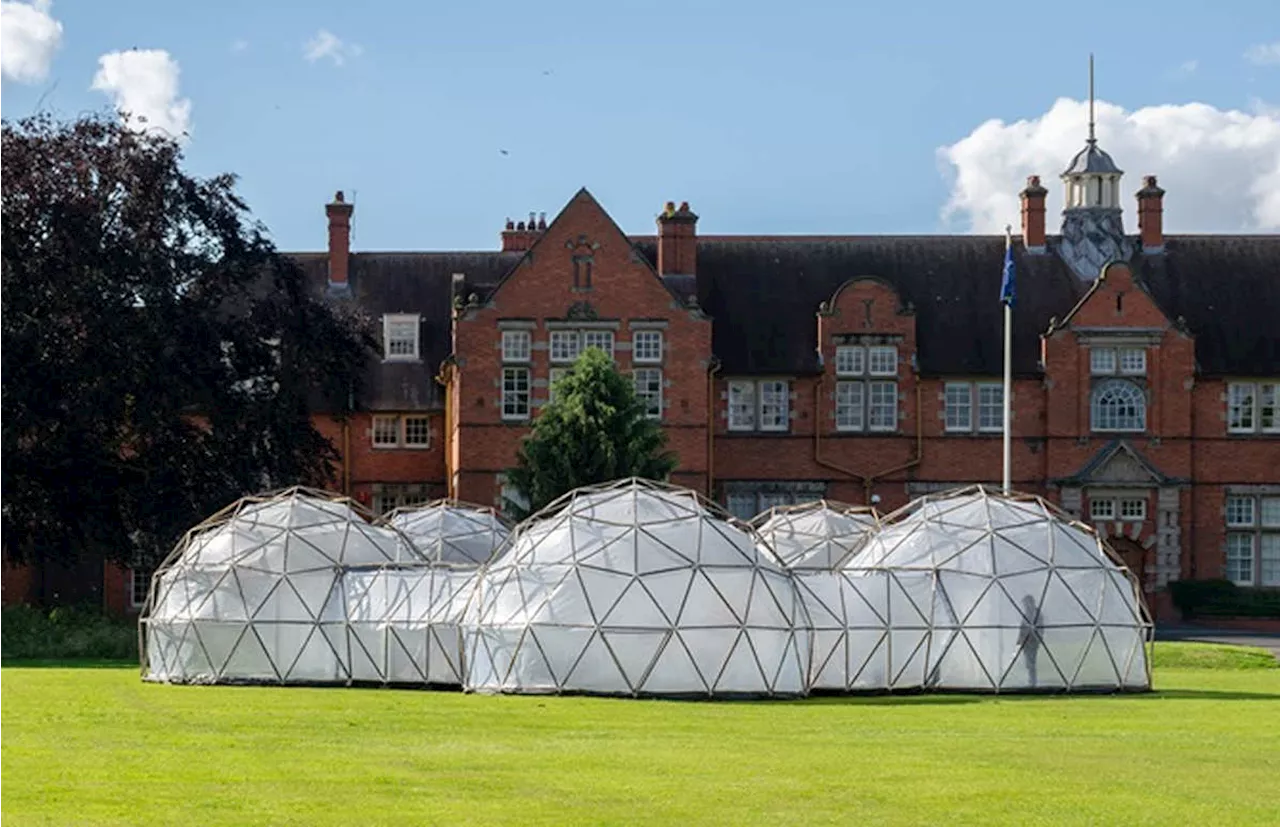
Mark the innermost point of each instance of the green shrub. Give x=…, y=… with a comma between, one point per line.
x=1186, y=655
x=27, y=633
x=1222, y=598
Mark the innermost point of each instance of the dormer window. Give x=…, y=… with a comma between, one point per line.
x=400, y=337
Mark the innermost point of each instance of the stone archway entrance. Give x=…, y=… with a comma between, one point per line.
x=1134, y=555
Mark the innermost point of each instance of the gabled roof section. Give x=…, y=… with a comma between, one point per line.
x=1100, y=283
x=584, y=196
x=1119, y=464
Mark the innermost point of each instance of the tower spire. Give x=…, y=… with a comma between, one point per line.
x=1092, y=138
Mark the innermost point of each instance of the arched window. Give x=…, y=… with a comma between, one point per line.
x=1118, y=405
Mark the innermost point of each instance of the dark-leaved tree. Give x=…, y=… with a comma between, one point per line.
x=594, y=430
x=160, y=357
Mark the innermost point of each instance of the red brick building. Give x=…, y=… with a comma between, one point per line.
x=1146, y=396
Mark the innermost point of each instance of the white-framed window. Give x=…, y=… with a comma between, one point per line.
x=866, y=406
x=775, y=405
x=1118, y=405
x=516, y=345
x=400, y=336
x=1133, y=509
x=742, y=405
x=1253, y=407
x=957, y=402
x=882, y=360
x=1253, y=540
x=882, y=406
x=386, y=432
x=1102, y=361
x=515, y=393
x=139, y=584
x=646, y=346
x=1102, y=509
x=763, y=405
x=851, y=360
x=850, y=406
x=1109, y=361
x=648, y=382
x=990, y=406
x=565, y=345
x=1133, y=361
x=412, y=431
x=417, y=432
x=602, y=339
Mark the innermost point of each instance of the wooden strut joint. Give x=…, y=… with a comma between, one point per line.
x=867, y=480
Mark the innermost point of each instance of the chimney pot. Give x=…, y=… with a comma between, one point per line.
x=520, y=227
x=1033, y=235
x=1151, y=215
x=339, y=215
x=677, y=241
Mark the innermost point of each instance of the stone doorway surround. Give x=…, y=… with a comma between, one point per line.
x=1117, y=470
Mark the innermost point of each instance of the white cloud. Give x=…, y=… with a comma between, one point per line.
x=1263, y=54
x=144, y=84
x=28, y=38
x=327, y=44
x=239, y=45
x=1221, y=168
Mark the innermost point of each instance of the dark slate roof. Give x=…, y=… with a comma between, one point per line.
x=1228, y=290
x=410, y=283
x=763, y=294
x=1091, y=159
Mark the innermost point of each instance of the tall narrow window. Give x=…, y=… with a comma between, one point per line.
x=775, y=405
x=582, y=272
x=850, y=406
x=958, y=403
x=742, y=406
x=417, y=432
x=882, y=406
x=648, y=382
x=990, y=407
x=515, y=393
x=386, y=431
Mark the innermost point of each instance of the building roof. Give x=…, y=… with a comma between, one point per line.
x=410, y=283
x=1228, y=289
x=763, y=294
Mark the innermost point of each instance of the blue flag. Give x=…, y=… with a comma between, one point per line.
x=1007, y=292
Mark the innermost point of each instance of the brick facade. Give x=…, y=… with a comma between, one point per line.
x=860, y=370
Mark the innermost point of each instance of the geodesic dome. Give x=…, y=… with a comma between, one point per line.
x=636, y=588
x=266, y=591
x=449, y=531
x=819, y=535
x=975, y=590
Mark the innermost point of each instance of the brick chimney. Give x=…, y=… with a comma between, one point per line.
x=1033, y=215
x=1151, y=215
x=339, y=213
x=677, y=241
x=518, y=237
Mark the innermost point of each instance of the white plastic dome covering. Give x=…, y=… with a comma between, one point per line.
x=257, y=593
x=636, y=588
x=979, y=591
x=819, y=535
x=447, y=531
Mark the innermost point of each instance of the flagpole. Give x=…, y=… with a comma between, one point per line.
x=1008, y=372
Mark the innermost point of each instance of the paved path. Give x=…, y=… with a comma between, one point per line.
x=1208, y=635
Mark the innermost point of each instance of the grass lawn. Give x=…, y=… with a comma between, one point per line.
x=98, y=746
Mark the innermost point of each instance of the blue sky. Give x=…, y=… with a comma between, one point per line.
x=767, y=117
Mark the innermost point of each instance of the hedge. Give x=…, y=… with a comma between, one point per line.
x=1222, y=598
x=65, y=634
